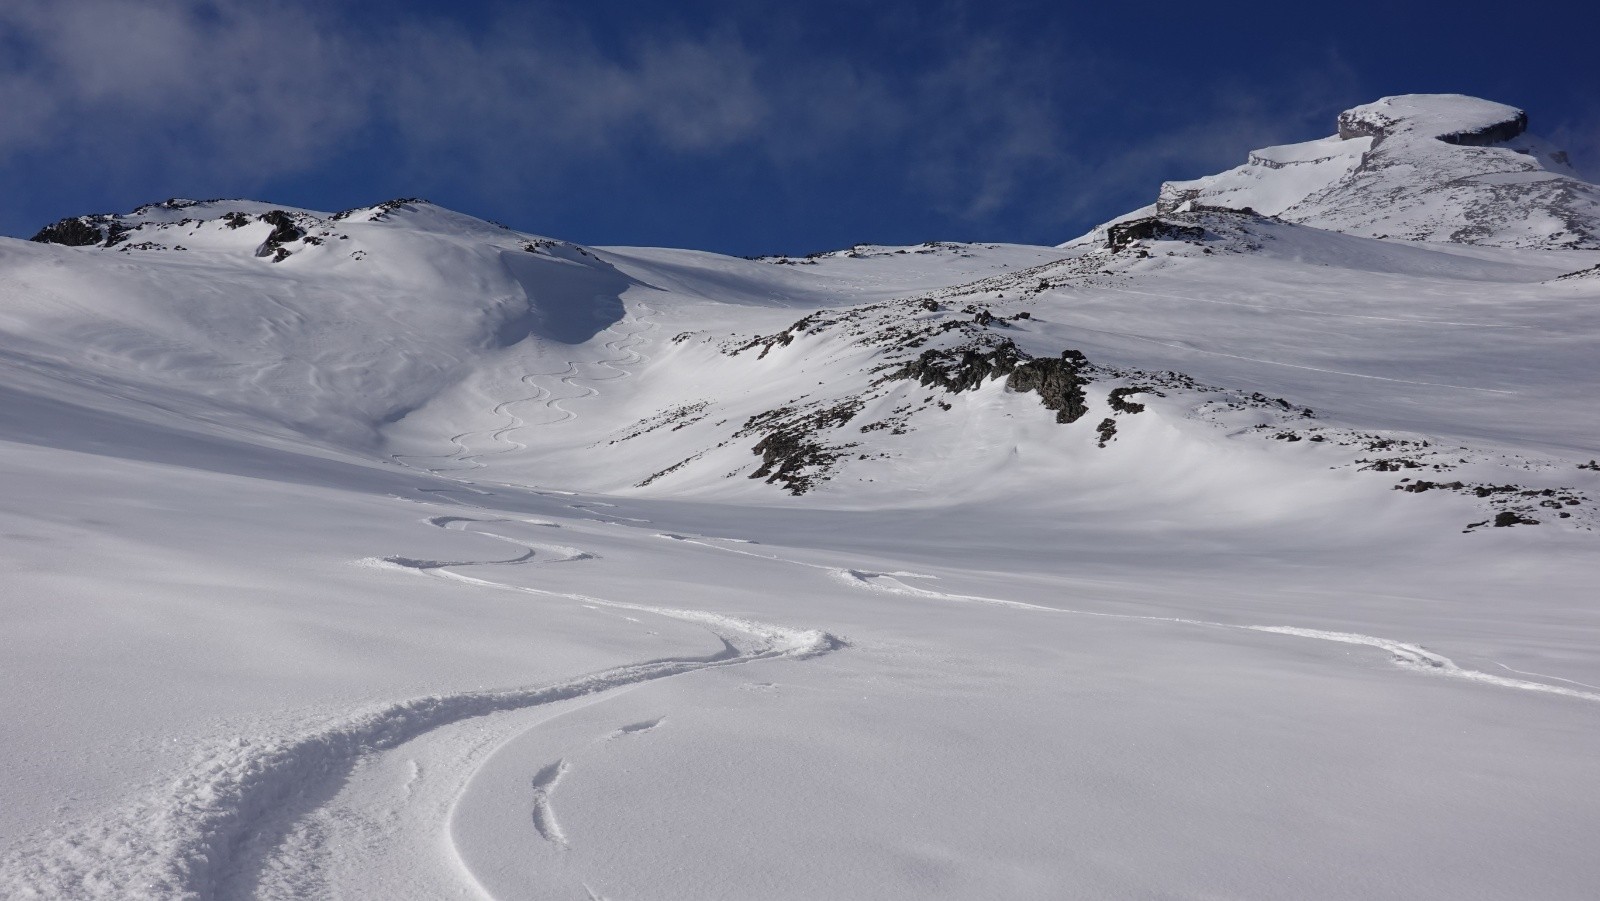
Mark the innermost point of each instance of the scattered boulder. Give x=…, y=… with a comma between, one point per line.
x=1507, y=518
x=1422, y=485
x=1107, y=429
x=1119, y=402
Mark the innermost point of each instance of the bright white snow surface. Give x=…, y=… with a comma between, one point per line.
x=347, y=576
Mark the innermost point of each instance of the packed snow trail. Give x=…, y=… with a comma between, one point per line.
x=194, y=837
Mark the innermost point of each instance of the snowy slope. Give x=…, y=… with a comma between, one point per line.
x=1219, y=553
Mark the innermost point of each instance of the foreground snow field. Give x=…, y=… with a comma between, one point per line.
x=394, y=554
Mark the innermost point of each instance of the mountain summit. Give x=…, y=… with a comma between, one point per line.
x=1420, y=167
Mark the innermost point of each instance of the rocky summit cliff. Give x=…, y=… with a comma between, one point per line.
x=1418, y=167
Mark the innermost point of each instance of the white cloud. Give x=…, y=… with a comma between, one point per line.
x=241, y=93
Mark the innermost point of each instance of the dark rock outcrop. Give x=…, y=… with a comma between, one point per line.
x=1118, y=399
x=284, y=230
x=72, y=232
x=792, y=448
x=381, y=211
x=1497, y=133
x=793, y=457
x=963, y=368
x=1059, y=383
x=1151, y=228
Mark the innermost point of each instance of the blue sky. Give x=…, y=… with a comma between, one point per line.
x=738, y=127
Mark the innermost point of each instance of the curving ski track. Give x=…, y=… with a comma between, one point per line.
x=622, y=346
x=201, y=836
x=1409, y=656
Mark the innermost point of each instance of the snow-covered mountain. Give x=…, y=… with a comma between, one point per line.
x=1420, y=167
x=1123, y=532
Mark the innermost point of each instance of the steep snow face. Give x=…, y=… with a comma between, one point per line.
x=1420, y=167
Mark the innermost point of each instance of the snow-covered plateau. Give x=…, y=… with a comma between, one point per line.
x=1244, y=547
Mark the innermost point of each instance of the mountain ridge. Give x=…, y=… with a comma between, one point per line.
x=952, y=325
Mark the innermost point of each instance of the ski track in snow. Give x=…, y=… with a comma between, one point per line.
x=1409, y=656
x=201, y=836
x=544, y=818
x=548, y=777
x=463, y=453
x=636, y=728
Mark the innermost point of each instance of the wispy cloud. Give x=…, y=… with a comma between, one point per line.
x=979, y=121
x=209, y=84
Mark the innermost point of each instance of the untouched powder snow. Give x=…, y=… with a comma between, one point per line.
x=1219, y=553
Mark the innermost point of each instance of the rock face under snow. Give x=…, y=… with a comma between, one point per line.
x=1420, y=167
